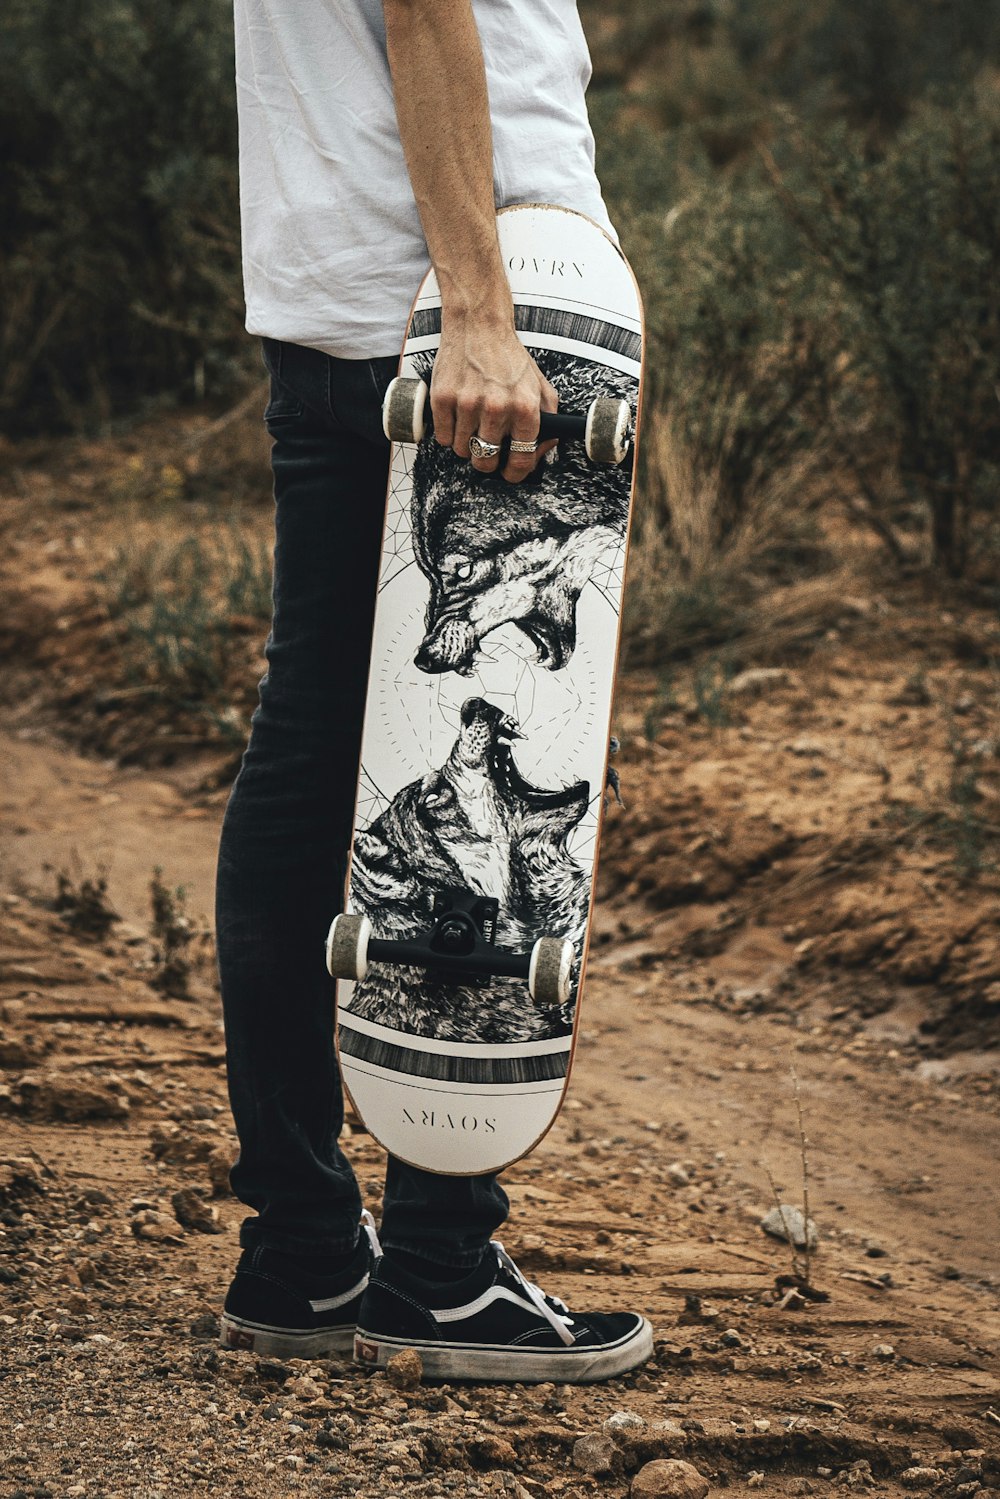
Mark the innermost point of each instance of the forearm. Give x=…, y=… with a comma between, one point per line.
x=442, y=108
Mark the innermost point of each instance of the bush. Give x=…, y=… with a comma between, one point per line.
x=910, y=244
x=119, y=241
x=826, y=329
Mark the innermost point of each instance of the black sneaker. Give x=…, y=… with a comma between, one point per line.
x=276, y=1308
x=494, y=1325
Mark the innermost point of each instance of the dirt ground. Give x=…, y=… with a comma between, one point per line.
x=800, y=896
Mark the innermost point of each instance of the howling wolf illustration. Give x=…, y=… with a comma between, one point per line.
x=497, y=553
x=475, y=824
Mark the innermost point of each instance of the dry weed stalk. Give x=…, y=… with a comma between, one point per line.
x=801, y=1262
x=804, y=1158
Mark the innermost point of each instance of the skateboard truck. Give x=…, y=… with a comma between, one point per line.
x=458, y=947
x=605, y=428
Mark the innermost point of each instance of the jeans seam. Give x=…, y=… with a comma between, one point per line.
x=374, y=378
x=433, y=1253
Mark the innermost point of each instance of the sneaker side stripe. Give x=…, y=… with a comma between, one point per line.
x=473, y=1308
x=330, y=1303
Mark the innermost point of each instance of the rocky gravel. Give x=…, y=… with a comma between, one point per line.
x=118, y=1237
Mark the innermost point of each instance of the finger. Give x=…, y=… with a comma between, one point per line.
x=550, y=402
x=467, y=418
x=523, y=434
x=492, y=429
x=443, y=412
x=525, y=428
x=549, y=394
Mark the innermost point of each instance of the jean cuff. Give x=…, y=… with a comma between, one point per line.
x=298, y=1247
x=467, y=1259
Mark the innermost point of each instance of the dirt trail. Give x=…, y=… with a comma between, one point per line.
x=899, y=1153
x=647, y=1193
x=61, y=811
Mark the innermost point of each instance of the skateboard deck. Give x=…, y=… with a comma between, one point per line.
x=486, y=731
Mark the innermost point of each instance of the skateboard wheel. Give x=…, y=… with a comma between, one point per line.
x=609, y=430
x=550, y=970
x=404, y=410
x=347, y=947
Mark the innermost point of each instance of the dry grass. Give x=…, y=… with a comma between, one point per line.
x=705, y=565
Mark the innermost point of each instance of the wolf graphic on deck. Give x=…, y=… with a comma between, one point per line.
x=497, y=553
x=474, y=824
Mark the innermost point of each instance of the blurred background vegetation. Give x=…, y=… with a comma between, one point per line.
x=810, y=193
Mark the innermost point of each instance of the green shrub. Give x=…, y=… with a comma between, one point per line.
x=910, y=245
x=824, y=326
x=119, y=241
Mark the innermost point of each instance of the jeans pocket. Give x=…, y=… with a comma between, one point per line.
x=283, y=403
x=283, y=406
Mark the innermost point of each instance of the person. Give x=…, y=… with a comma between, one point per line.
x=376, y=137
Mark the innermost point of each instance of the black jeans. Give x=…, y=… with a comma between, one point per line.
x=286, y=833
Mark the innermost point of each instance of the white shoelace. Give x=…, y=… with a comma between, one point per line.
x=537, y=1296
x=368, y=1224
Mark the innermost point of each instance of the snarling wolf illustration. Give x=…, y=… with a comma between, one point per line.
x=497, y=553
x=475, y=824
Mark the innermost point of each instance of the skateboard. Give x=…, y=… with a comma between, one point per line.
x=484, y=758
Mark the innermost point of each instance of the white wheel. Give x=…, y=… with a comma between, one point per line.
x=550, y=970
x=609, y=430
x=404, y=410
x=347, y=947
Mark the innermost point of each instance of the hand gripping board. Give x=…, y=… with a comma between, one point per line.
x=486, y=728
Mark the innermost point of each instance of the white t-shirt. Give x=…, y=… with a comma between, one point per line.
x=333, y=251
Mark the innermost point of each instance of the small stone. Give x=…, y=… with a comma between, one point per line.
x=19, y=1177
x=52, y=1096
x=596, y=1454
x=205, y=1326
x=220, y=1162
x=303, y=1387
x=489, y=1451
x=792, y=1301
x=756, y=680
x=677, y=1176
x=787, y=1222
x=731, y=1339
x=858, y=1476
x=884, y=1351
x=669, y=1478
x=804, y=746
x=622, y=1421
x=192, y=1211
x=405, y=1370
x=755, y=1479
x=159, y=1228
x=920, y=1478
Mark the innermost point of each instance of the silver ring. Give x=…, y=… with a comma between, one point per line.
x=523, y=447
x=482, y=449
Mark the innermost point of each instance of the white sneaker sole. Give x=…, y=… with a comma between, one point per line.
x=284, y=1342
x=511, y=1365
